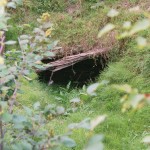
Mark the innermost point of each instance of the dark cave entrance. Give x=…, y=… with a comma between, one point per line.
x=78, y=74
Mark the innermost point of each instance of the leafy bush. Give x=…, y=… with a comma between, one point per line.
x=30, y=128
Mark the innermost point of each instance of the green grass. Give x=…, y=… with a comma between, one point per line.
x=122, y=131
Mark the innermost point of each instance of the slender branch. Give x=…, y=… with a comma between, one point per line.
x=12, y=100
x=1, y=130
x=2, y=44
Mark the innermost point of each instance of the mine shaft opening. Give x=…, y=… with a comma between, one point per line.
x=79, y=74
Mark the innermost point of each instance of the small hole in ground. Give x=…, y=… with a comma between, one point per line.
x=78, y=74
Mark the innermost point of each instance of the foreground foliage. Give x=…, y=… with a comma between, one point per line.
x=35, y=127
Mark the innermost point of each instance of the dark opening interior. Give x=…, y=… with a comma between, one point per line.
x=79, y=74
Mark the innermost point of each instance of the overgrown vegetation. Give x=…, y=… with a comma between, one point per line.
x=128, y=65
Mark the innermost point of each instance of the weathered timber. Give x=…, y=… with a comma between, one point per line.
x=71, y=60
x=79, y=69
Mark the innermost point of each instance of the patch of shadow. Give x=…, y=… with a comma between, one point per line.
x=78, y=74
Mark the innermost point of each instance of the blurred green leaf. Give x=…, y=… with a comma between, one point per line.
x=140, y=25
x=60, y=110
x=36, y=106
x=106, y=29
x=75, y=100
x=113, y=13
x=92, y=88
x=146, y=140
x=11, y=5
x=95, y=122
x=68, y=141
x=142, y=42
x=10, y=42
x=95, y=143
x=6, y=117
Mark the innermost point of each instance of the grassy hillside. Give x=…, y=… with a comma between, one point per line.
x=127, y=65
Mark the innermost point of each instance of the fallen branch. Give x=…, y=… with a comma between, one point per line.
x=71, y=60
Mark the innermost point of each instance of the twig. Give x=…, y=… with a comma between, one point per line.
x=2, y=44
x=1, y=130
x=12, y=100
